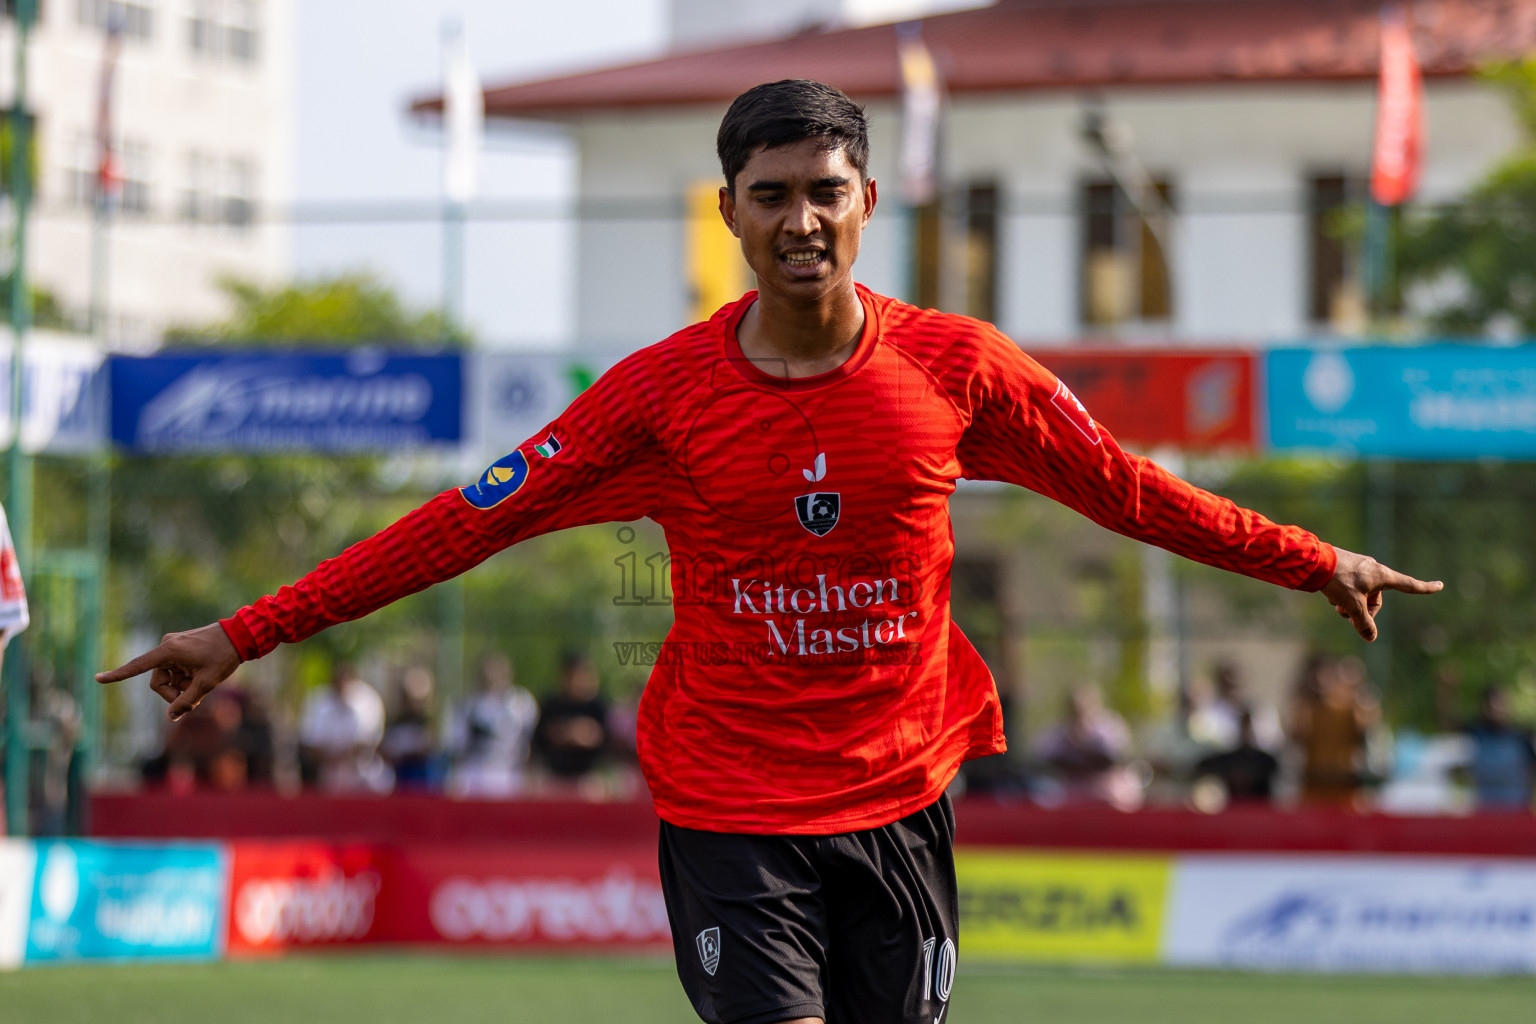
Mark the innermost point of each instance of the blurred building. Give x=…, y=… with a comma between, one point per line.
x=201, y=129
x=1251, y=121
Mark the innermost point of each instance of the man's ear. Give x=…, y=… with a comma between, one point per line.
x=728, y=210
x=871, y=196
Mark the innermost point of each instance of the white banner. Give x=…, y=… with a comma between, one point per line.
x=63, y=402
x=18, y=860
x=1345, y=913
x=510, y=396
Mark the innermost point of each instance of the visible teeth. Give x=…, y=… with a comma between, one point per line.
x=802, y=259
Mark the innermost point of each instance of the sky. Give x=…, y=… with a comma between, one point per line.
x=359, y=62
x=358, y=154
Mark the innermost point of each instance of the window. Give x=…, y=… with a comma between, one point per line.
x=137, y=17
x=240, y=30
x=238, y=206
x=225, y=29
x=133, y=166
x=203, y=30
x=197, y=184
x=8, y=9
x=80, y=175
x=954, y=252
x=1337, y=298
x=1124, y=271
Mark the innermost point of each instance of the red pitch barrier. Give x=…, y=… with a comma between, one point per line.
x=416, y=820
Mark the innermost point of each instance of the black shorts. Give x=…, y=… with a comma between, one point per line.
x=855, y=927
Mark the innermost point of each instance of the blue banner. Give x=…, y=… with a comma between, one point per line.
x=1430, y=402
x=353, y=402
x=95, y=901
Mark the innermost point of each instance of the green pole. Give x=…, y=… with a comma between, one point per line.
x=18, y=503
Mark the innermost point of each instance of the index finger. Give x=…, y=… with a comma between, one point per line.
x=143, y=663
x=1409, y=585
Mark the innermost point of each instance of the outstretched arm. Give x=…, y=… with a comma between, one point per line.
x=596, y=463
x=184, y=668
x=1355, y=591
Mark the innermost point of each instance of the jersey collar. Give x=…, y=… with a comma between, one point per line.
x=747, y=370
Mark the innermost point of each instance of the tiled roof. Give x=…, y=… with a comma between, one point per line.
x=1048, y=44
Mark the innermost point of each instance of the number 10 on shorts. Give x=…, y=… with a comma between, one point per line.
x=938, y=969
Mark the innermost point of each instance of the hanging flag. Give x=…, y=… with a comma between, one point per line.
x=921, y=103
x=1399, y=115
x=463, y=118
x=107, y=176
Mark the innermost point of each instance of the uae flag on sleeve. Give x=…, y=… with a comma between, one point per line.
x=1399, y=116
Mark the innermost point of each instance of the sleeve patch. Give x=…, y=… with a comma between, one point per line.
x=502, y=479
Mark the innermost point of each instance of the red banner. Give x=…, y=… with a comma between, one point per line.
x=542, y=896
x=285, y=895
x=1189, y=399
x=288, y=894
x=1399, y=123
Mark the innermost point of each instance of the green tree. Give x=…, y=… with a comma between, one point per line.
x=1478, y=256
x=352, y=309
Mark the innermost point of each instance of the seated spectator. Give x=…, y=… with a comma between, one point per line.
x=408, y=742
x=1214, y=712
x=1089, y=753
x=491, y=735
x=572, y=730
x=1503, y=761
x=339, y=733
x=1246, y=772
x=201, y=750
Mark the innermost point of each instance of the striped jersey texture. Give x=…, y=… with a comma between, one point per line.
x=812, y=681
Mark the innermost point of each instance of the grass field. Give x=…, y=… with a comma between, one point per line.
x=398, y=989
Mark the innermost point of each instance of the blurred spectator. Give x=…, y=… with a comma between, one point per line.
x=1330, y=723
x=204, y=748
x=1215, y=712
x=408, y=742
x=492, y=734
x=572, y=730
x=1503, y=758
x=1246, y=772
x=254, y=736
x=1088, y=752
x=339, y=734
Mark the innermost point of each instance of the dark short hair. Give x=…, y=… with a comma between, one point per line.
x=786, y=112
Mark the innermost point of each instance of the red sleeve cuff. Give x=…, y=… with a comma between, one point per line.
x=245, y=644
x=1327, y=565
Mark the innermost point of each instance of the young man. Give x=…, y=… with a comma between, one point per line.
x=813, y=700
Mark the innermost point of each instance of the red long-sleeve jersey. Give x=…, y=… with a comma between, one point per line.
x=812, y=681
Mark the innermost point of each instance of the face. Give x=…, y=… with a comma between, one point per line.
x=799, y=211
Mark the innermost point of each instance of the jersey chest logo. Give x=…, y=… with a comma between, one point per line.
x=818, y=511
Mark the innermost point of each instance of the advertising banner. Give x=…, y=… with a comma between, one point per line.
x=560, y=896
x=1342, y=913
x=1188, y=399
x=512, y=395
x=1028, y=906
x=367, y=400
x=17, y=866
x=1432, y=402
x=63, y=399
x=285, y=895
x=98, y=901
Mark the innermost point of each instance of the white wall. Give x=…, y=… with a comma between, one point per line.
x=1238, y=158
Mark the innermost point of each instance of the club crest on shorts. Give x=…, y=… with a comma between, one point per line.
x=708, y=942
x=818, y=511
